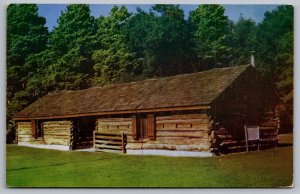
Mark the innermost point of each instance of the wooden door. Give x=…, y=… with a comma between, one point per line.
x=143, y=128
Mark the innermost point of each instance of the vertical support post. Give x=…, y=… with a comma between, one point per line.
x=246, y=138
x=72, y=135
x=258, y=141
x=94, y=139
x=123, y=143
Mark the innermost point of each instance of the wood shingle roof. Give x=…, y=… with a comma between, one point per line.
x=187, y=90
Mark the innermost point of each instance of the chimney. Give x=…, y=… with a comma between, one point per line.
x=252, y=60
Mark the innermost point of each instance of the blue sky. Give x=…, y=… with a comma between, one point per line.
x=256, y=12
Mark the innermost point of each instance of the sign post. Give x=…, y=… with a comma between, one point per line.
x=251, y=134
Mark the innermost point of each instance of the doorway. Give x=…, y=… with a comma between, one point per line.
x=84, y=136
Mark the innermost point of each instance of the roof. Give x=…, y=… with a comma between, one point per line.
x=187, y=90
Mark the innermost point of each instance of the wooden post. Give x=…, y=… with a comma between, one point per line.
x=258, y=141
x=94, y=139
x=72, y=135
x=123, y=143
x=151, y=126
x=134, y=127
x=33, y=129
x=246, y=137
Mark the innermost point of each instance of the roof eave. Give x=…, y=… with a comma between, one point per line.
x=152, y=110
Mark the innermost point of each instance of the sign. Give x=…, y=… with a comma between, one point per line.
x=252, y=132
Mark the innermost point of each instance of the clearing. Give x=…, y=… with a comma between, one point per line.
x=32, y=167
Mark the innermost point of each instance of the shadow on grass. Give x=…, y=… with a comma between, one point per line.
x=65, y=163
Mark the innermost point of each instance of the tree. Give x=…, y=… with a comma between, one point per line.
x=160, y=39
x=71, y=46
x=243, y=40
x=210, y=28
x=26, y=36
x=113, y=59
x=275, y=54
x=270, y=32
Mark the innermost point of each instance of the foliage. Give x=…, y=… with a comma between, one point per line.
x=26, y=36
x=243, y=41
x=114, y=59
x=275, y=53
x=160, y=40
x=210, y=29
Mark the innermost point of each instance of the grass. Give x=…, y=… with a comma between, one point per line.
x=32, y=167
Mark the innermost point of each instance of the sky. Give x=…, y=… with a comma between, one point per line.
x=256, y=12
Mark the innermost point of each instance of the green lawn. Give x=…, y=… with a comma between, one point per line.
x=31, y=167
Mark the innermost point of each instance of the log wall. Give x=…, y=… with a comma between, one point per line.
x=57, y=132
x=187, y=132
x=24, y=132
x=116, y=125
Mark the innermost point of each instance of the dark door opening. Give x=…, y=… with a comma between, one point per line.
x=84, y=136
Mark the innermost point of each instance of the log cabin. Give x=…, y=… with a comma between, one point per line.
x=195, y=114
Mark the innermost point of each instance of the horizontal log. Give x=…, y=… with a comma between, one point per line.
x=108, y=133
x=24, y=135
x=24, y=132
x=24, y=123
x=224, y=136
x=108, y=142
x=185, y=116
x=183, y=121
x=56, y=136
x=125, y=127
x=57, y=130
x=262, y=128
x=181, y=134
x=175, y=130
x=134, y=145
x=102, y=146
x=109, y=150
x=200, y=126
x=108, y=137
x=114, y=123
x=24, y=128
x=56, y=122
x=203, y=147
x=117, y=131
x=56, y=141
x=24, y=139
x=114, y=119
x=56, y=126
x=170, y=126
x=180, y=140
x=228, y=143
x=189, y=125
x=274, y=139
x=184, y=129
x=159, y=126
